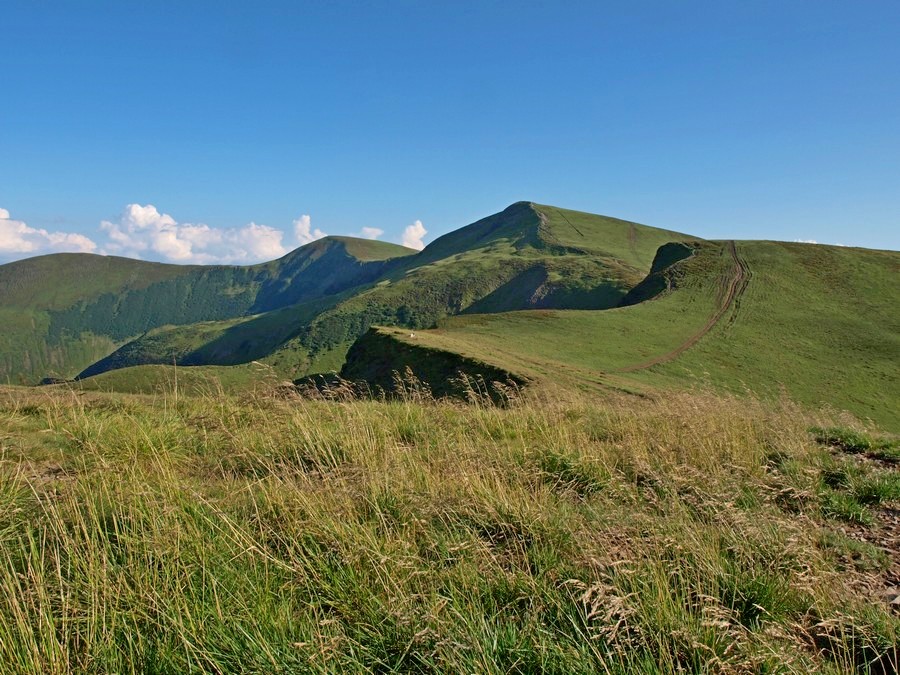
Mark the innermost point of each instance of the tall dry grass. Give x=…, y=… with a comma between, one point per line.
x=558, y=532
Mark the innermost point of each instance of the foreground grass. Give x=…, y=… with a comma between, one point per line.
x=222, y=534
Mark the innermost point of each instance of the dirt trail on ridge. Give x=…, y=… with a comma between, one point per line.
x=730, y=290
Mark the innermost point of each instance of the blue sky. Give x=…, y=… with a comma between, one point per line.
x=226, y=131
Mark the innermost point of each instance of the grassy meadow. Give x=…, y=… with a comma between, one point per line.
x=562, y=532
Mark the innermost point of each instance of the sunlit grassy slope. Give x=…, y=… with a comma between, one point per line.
x=633, y=244
x=817, y=323
x=562, y=534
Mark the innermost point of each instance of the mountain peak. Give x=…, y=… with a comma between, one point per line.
x=363, y=250
x=517, y=224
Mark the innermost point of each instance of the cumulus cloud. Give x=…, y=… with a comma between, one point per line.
x=413, y=234
x=16, y=237
x=142, y=231
x=371, y=233
x=813, y=241
x=259, y=242
x=303, y=230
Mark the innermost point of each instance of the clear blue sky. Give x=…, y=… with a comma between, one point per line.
x=725, y=119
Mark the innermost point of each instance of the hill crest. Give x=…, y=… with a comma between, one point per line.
x=64, y=322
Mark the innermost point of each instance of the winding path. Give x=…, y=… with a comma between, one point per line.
x=730, y=290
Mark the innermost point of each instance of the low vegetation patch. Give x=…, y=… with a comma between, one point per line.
x=853, y=441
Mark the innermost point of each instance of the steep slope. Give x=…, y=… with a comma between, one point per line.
x=62, y=312
x=817, y=323
x=227, y=342
x=523, y=257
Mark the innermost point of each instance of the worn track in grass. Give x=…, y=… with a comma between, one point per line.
x=730, y=290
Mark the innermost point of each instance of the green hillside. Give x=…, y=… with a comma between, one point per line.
x=533, y=294
x=815, y=323
x=61, y=313
x=227, y=342
x=678, y=456
x=523, y=257
x=174, y=381
x=509, y=261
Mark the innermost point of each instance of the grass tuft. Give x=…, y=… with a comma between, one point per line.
x=852, y=441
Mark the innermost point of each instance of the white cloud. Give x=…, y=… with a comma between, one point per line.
x=371, y=233
x=142, y=230
x=260, y=242
x=303, y=231
x=413, y=234
x=813, y=241
x=17, y=237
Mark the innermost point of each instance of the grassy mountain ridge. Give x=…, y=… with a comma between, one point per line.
x=498, y=264
x=533, y=293
x=817, y=323
x=511, y=260
x=226, y=342
x=56, y=281
x=325, y=267
x=633, y=244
